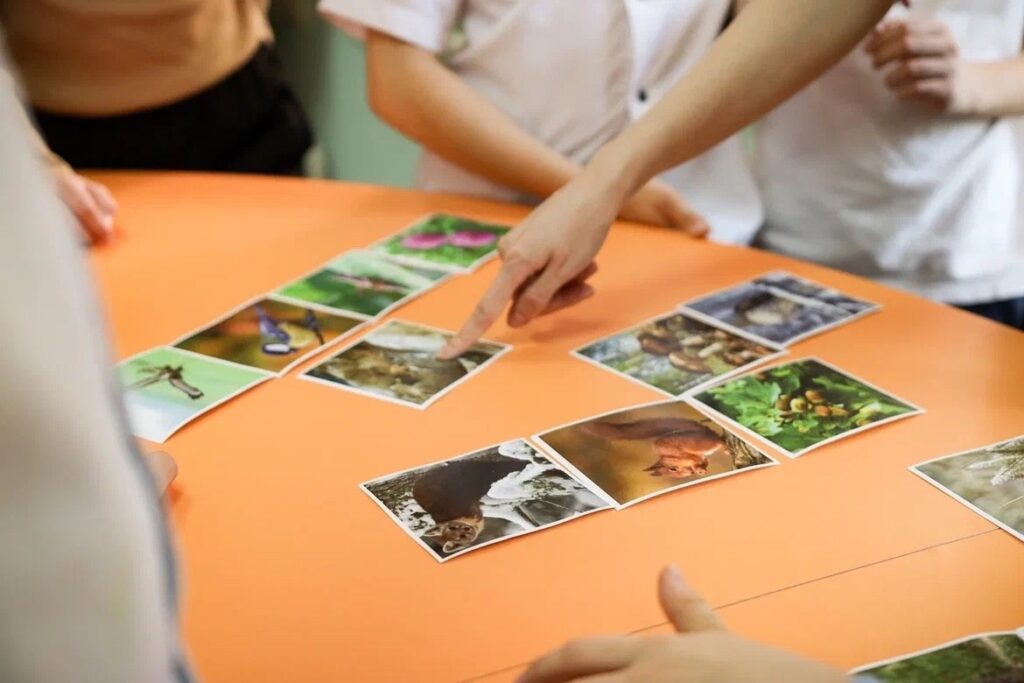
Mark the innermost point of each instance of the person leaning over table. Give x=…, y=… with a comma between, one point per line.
x=901, y=163
x=527, y=90
x=152, y=84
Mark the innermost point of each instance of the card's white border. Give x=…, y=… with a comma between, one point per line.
x=577, y=353
x=413, y=261
x=304, y=375
x=915, y=410
x=363, y=486
x=264, y=377
x=446, y=275
x=874, y=307
x=949, y=492
x=920, y=653
x=567, y=464
x=363, y=322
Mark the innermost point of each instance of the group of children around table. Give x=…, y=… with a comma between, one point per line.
x=903, y=163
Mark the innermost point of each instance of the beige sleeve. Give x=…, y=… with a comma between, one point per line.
x=85, y=571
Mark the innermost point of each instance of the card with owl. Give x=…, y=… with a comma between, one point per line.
x=779, y=309
x=481, y=498
x=988, y=480
x=637, y=453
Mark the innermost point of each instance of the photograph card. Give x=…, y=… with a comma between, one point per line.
x=984, y=658
x=803, y=405
x=270, y=334
x=398, y=362
x=165, y=389
x=364, y=283
x=634, y=454
x=988, y=480
x=481, y=498
x=676, y=353
x=443, y=241
x=779, y=309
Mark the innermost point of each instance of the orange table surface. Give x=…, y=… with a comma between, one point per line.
x=885, y=610
x=292, y=573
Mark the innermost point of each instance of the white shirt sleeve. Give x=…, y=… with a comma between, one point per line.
x=85, y=572
x=423, y=23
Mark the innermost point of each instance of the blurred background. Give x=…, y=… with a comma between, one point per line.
x=326, y=68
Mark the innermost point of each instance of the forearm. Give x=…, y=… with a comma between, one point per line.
x=418, y=96
x=995, y=88
x=750, y=69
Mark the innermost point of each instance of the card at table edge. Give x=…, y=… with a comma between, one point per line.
x=263, y=376
x=539, y=439
x=873, y=307
x=501, y=351
x=446, y=275
x=362, y=321
x=365, y=488
x=793, y=455
x=929, y=650
x=377, y=247
x=956, y=496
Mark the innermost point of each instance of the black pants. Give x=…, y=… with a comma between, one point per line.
x=1009, y=312
x=250, y=122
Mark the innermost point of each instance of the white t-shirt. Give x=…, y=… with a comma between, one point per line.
x=573, y=73
x=86, y=577
x=853, y=178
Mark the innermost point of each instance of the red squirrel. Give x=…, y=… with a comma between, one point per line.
x=451, y=495
x=683, y=446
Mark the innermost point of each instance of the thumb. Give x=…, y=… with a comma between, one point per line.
x=684, y=608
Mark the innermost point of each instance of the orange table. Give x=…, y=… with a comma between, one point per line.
x=293, y=574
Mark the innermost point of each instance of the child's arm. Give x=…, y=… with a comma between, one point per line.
x=416, y=94
x=749, y=70
x=924, y=65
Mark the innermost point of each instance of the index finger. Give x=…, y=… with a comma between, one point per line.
x=512, y=275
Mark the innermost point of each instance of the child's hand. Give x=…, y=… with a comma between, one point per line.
x=658, y=204
x=702, y=651
x=924, y=64
x=91, y=203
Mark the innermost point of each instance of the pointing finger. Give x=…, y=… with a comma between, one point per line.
x=513, y=273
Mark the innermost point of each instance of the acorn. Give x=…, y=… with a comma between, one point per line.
x=656, y=345
x=681, y=361
x=838, y=411
x=783, y=402
x=822, y=411
x=798, y=404
x=814, y=396
x=694, y=340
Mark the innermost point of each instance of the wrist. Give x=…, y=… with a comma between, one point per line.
x=614, y=173
x=967, y=97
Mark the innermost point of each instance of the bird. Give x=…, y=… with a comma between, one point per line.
x=167, y=373
x=281, y=338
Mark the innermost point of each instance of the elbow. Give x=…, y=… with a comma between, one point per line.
x=388, y=69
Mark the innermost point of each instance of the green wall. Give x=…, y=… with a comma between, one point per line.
x=327, y=69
